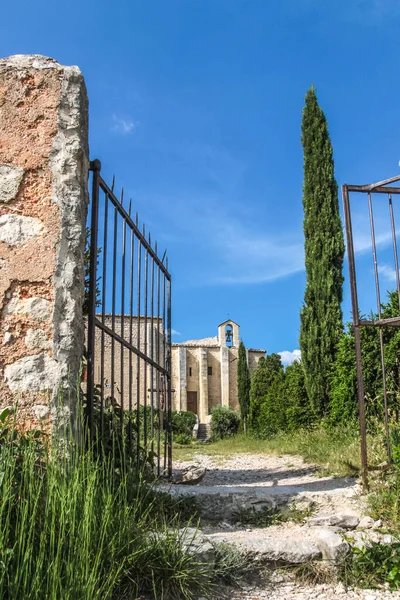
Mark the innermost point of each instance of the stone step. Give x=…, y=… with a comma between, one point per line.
x=222, y=503
x=204, y=432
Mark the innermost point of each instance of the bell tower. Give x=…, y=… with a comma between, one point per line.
x=229, y=334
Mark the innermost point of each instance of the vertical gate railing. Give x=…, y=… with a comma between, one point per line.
x=128, y=329
x=385, y=188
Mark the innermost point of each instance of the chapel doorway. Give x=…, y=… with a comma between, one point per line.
x=192, y=402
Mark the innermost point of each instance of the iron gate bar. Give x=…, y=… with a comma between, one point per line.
x=378, y=301
x=396, y=256
x=141, y=346
x=356, y=323
x=381, y=187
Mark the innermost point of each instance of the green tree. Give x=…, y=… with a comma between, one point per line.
x=267, y=370
x=299, y=412
x=244, y=383
x=272, y=415
x=321, y=314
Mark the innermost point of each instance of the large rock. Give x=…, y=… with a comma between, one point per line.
x=331, y=544
x=190, y=476
x=336, y=520
x=197, y=543
x=273, y=544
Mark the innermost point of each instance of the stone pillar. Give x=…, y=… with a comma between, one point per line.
x=43, y=204
x=203, y=382
x=224, y=376
x=182, y=379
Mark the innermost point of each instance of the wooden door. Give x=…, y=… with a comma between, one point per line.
x=192, y=402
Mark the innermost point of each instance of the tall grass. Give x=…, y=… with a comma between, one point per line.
x=72, y=527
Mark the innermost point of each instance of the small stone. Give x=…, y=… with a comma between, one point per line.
x=378, y=524
x=41, y=411
x=7, y=338
x=15, y=230
x=190, y=476
x=10, y=180
x=366, y=523
x=370, y=597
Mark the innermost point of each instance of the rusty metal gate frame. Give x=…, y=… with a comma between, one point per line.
x=145, y=288
x=381, y=187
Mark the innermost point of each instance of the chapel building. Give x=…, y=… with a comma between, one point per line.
x=204, y=372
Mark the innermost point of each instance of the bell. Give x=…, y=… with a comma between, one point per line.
x=229, y=335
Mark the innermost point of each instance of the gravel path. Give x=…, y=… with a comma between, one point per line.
x=272, y=471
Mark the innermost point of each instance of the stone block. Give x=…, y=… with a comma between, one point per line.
x=10, y=180
x=16, y=230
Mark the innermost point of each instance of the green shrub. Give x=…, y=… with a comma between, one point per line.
x=373, y=566
x=184, y=439
x=224, y=422
x=183, y=422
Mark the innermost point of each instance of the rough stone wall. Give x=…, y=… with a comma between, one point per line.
x=43, y=203
x=214, y=380
x=233, y=385
x=253, y=356
x=133, y=370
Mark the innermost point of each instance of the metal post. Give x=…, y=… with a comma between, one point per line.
x=356, y=324
x=95, y=166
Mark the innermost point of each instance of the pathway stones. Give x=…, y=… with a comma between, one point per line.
x=258, y=483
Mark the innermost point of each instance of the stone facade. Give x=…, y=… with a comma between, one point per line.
x=133, y=378
x=204, y=372
x=43, y=203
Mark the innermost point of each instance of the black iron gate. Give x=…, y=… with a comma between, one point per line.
x=129, y=329
x=383, y=189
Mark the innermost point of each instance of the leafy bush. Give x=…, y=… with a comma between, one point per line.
x=224, y=422
x=184, y=439
x=183, y=422
x=373, y=566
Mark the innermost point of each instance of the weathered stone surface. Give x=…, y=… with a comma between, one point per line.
x=35, y=308
x=364, y=539
x=273, y=544
x=15, y=230
x=37, y=339
x=331, y=544
x=335, y=520
x=33, y=373
x=43, y=139
x=7, y=338
x=366, y=523
x=41, y=411
x=190, y=476
x=197, y=543
x=10, y=180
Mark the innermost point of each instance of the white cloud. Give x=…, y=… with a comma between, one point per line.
x=387, y=272
x=288, y=357
x=123, y=126
x=174, y=332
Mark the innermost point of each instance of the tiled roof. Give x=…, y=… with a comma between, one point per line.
x=210, y=342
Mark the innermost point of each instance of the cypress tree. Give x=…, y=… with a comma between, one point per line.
x=268, y=369
x=244, y=382
x=321, y=314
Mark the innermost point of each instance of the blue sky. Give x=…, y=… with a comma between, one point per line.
x=195, y=105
